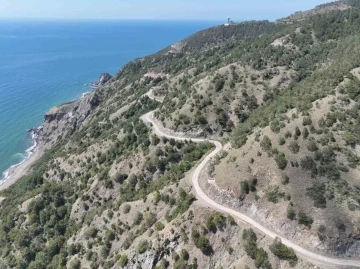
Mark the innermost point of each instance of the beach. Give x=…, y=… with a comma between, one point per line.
x=14, y=173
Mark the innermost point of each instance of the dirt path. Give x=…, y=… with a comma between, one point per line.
x=302, y=252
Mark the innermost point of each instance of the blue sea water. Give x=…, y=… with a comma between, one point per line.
x=46, y=63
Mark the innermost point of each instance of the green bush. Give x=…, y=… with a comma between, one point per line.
x=307, y=121
x=75, y=264
x=282, y=141
x=91, y=232
x=184, y=254
x=305, y=220
x=283, y=252
x=294, y=147
x=126, y=208
x=262, y=259
x=307, y=163
x=281, y=160
x=250, y=245
x=123, y=260
x=200, y=241
x=290, y=213
x=266, y=143
x=159, y=226
x=143, y=246
x=138, y=218
x=273, y=194
x=312, y=146
x=317, y=193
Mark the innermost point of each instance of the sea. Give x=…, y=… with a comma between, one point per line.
x=47, y=63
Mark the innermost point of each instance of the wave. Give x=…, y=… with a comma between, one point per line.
x=29, y=151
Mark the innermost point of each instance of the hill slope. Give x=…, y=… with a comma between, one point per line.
x=282, y=98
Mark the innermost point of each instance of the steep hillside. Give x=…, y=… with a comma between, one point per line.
x=283, y=99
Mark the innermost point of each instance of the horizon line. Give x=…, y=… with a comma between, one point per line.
x=107, y=19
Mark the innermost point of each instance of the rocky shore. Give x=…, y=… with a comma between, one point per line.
x=59, y=121
x=104, y=78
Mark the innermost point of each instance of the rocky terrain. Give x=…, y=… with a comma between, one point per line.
x=281, y=98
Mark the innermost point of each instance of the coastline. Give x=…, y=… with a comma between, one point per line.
x=16, y=171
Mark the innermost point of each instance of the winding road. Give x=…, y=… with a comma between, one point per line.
x=302, y=252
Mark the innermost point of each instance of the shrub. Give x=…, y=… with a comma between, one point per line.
x=282, y=141
x=120, y=178
x=305, y=133
x=266, y=143
x=273, y=194
x=307, y=121
x=91, y=232
x=159, y=226
x=216, y=220
x=294, y=147
x=75, y=264
x=317, y=193
x=285, y=179
x=297, y=131
x=288, y=134
x=200, y=241
x=305, y=220
x=312, y=146
x=290, y=213
x=143, y=246
x=184, y=254
x=138, y=218
x=307, y=163
x=283, y=252
x=262, y=259
x=250, y=245
x=123, y=260
x=245, y=189
x=281, y=160
x=126, y=208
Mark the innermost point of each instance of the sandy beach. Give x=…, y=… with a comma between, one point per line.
x=16, y=172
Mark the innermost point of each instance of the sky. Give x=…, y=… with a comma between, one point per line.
x=238, y=10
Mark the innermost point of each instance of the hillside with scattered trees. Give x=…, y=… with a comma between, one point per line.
x=282, y=97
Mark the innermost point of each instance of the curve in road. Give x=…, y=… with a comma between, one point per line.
x=307, y=254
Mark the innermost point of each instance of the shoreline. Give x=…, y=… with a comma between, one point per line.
x=16, y=171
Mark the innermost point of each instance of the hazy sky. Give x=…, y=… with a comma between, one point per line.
x=154, y=9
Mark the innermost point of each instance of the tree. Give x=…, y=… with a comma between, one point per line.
x=250, y=245
x=262, y=259
x=283, y=252
x=281, y=161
